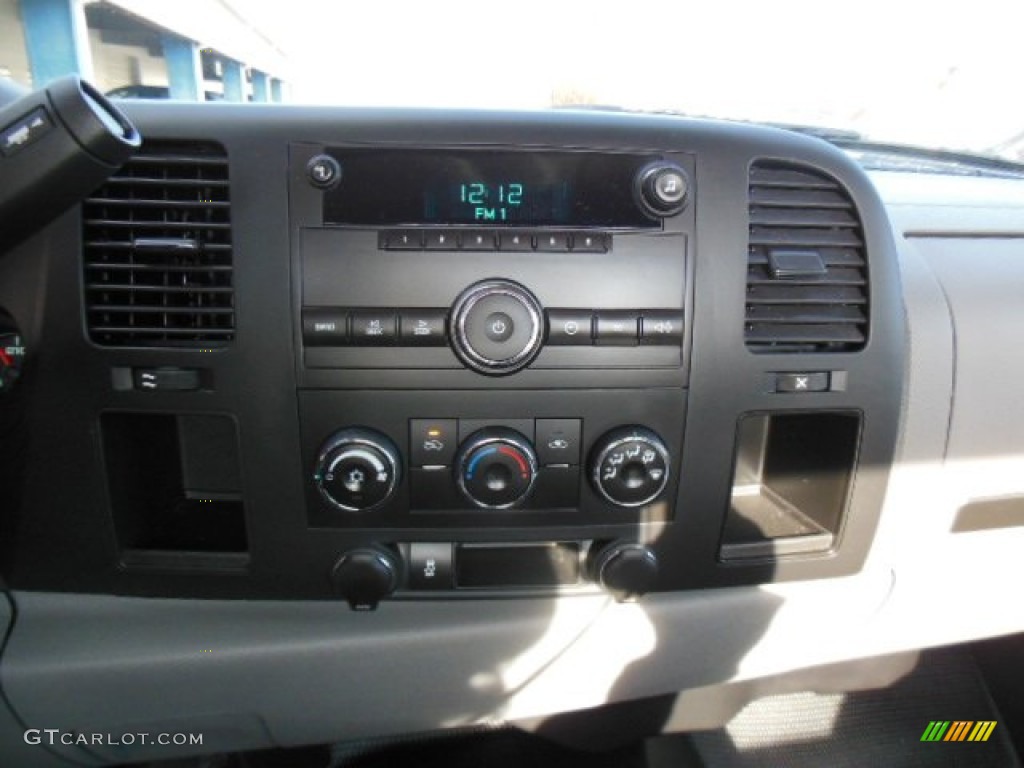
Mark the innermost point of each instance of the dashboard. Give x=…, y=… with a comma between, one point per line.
x=330, y=410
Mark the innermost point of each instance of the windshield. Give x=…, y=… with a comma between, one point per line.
x=931, y=75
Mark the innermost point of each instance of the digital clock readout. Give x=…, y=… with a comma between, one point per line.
x=489, y=202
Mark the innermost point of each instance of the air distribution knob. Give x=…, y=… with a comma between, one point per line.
x=626, y=569
x=630, y=466
x=663, y=188
x=496, y=468
x=366, y=575
x=357, y=470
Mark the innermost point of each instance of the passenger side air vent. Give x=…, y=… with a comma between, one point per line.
x=807, y=275
x=158, y=259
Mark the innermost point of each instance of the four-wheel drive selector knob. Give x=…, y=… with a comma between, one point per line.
x=630, y=466
x=357, y=470
x=626, y=569
x=495, y=468
x=366, y=575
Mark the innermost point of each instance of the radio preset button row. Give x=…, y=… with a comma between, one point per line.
x=410, y=239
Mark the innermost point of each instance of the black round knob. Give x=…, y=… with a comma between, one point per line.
x=497, y=327
x=365, y=576
x=496, y=468
x=324, y=171
x=630, y=466
x=357, y=470
x=663, y=188
x=626, y=569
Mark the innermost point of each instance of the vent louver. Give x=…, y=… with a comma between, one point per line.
x=158, y=257
x=807, y=275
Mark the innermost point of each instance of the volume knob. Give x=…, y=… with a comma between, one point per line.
x=497, y=327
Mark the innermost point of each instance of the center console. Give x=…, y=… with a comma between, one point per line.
x=556, y=283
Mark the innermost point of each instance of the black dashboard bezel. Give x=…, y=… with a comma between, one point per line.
x=62, y=538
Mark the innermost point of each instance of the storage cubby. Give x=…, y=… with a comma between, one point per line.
x=175, y=488
x=790, y=484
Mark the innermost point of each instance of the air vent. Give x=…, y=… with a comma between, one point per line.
x=807, y=281
x=158, y=259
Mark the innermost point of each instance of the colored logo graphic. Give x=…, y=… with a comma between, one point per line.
x=958, y=730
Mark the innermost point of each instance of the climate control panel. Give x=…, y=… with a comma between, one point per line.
x=492, y=363
x=494, y=467
x=468, y=461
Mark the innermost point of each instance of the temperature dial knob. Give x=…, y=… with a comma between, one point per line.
x=496, y=468
x=630, y=467
x=357, y=470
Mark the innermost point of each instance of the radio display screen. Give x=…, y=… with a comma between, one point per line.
x=484, y=188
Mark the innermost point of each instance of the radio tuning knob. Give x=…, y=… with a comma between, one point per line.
x=357, y=470
x=630, y=467
x=663, y=188
x=496, y=468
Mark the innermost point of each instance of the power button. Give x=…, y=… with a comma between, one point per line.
x=499, y=326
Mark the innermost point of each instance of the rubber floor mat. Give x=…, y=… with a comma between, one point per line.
x=881, y=728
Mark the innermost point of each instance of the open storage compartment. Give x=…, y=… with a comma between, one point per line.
x=791, y=483
x=175, y=489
